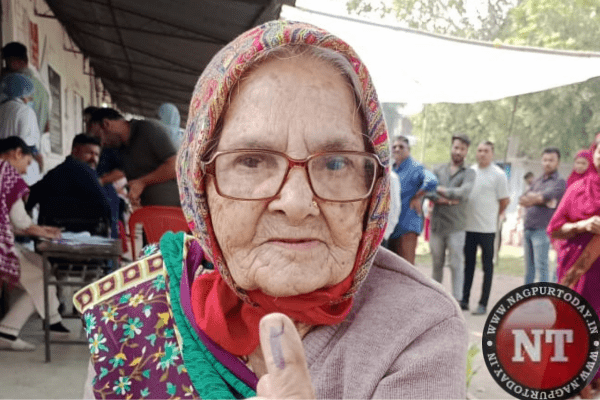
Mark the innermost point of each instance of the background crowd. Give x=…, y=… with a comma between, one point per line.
x=115, y=166
x=466, y=205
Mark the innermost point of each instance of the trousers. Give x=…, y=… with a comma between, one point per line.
x=486, y=242
x=454, y=242
x=32, y=281
x=536, y=245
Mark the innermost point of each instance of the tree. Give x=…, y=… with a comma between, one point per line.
x=461, y=18
x=564, y=117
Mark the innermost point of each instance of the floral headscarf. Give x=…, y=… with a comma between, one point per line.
x=206, y=108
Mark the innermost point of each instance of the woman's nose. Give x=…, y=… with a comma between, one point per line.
x=296, y=197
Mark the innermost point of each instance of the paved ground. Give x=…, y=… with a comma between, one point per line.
x=483, y=385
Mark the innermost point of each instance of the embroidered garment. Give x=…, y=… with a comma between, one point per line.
x=12, y=188
x=138, y=324
x=206, y=108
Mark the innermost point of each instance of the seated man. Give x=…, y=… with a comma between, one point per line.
x=70, y=195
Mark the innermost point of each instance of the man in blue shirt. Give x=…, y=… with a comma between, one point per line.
x=415, y=181
x=541, y=201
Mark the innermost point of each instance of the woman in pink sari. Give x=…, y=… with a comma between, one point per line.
x=576, y=220
x=582, y=166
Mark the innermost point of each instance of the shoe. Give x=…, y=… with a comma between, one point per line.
x=59, y=330
x=464, y=306
x=15, y=345
x=480, y=310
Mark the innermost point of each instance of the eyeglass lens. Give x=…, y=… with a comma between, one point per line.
x=256, y=175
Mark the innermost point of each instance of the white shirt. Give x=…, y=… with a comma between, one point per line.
x=395, y=204
x=18, y=119
x=490, y=186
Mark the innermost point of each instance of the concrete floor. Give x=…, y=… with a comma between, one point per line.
x=25, y=375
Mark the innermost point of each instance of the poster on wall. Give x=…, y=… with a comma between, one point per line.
x=56, y=145
x=34, y=45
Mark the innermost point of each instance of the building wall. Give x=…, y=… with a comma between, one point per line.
x=77, y=88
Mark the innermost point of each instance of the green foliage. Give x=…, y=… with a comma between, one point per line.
x=481, y=121
x=567, y=117
x=556, y=24
x=450, y=17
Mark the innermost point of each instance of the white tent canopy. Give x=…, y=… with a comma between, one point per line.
x=410, y=66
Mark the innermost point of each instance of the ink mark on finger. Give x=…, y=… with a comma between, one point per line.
x=276, y=350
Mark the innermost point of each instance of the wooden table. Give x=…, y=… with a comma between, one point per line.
x=69, y=252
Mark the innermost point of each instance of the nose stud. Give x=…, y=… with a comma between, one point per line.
x=314, y=204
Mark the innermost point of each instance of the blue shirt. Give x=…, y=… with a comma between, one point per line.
x=551, y=187
x=413, y=177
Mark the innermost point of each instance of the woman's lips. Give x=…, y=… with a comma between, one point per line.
x=296, y=244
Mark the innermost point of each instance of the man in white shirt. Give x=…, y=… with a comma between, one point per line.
x=487, y=200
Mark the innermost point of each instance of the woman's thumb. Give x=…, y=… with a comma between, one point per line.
x=287, y=372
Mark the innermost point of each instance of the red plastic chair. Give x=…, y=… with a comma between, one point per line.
x=156, y=221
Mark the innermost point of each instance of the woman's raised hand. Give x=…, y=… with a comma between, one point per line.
x=287, y=374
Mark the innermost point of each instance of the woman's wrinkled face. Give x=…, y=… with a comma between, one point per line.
x=580, y=165
x=290, y=245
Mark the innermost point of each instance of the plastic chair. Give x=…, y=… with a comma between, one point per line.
x=156, y=221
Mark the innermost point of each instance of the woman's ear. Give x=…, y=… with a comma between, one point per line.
x=16, y=153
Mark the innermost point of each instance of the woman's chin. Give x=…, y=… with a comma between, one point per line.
x=287, y=287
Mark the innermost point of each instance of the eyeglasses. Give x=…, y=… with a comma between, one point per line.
x=341, y=176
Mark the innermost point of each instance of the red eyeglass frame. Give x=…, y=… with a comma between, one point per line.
x=208, y=168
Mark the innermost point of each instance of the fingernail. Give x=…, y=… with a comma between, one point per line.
x=276, y=350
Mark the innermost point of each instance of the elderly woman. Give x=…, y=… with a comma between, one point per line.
x=284, y=179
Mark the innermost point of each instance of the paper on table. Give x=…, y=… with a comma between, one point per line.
x=83, y=238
